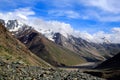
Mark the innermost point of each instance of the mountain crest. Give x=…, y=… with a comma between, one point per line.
x=2, y=28
x=11, y=24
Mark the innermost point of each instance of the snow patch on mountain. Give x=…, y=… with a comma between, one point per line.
x=47, y=33
x=14, y=25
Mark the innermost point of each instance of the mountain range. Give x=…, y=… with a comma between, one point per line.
x=24, y=44
x=44, y=48
x=88, y=50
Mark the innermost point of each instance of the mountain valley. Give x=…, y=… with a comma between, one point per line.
x=47, y=50
x=18, y=62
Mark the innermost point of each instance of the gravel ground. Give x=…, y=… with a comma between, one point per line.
x=17, y=71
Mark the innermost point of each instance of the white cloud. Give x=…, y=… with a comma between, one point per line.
x=106, y=5
x=61, y=27
x=24, y=15
x=61, y=3
x=54, y=26
x=100, y=16
x=116, y=30
x=27, y=16
x=101, y=10
x=112, y=6
x=102, y=36
x=65, y=13
x=20, y=14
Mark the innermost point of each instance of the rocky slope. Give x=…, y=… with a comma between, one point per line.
x=15, y=71
x=12, y=50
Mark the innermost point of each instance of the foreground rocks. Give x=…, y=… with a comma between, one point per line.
x=17, y=71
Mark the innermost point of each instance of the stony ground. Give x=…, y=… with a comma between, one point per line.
x=16, y=71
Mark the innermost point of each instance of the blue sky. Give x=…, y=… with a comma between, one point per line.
x=85, y=15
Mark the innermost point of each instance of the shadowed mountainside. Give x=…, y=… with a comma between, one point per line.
x=12, y=50
x=109, y=69
x=112, y=63
x=48, y=50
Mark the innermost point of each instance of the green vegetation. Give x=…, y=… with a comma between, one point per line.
x=63, y=55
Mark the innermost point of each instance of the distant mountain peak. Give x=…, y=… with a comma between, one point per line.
x=2, y=22
x=105, y=40
x=2, y=28
x=14, y=25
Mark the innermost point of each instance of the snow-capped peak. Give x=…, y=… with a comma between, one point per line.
x=14, y=25
x=47, y=33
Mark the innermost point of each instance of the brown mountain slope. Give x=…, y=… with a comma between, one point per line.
x=12, y=50
x=48, y=50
